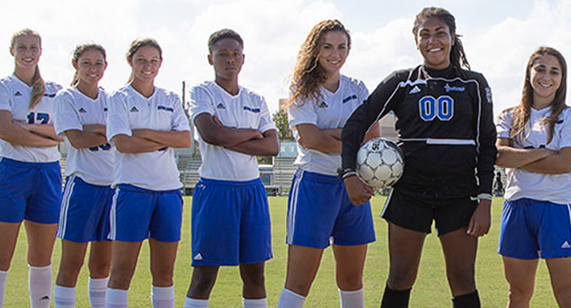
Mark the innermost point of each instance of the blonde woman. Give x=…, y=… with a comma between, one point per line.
x=30, y=177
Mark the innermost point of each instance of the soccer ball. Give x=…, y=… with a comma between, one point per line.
x=380, y=163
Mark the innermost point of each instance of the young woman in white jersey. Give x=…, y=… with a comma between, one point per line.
x=534, y=143
x=80, y=117
x=30, y=178
x=319, y=208
x=145, y=123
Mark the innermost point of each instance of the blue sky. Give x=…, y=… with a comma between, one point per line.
x=498, y=37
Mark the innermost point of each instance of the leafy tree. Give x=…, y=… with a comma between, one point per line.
x=280, y=118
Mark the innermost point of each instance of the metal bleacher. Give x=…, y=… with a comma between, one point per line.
x=188, y=168
x=276, y=177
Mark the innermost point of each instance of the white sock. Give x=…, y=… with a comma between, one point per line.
x=64, y=297
x=96, y=291
x=163, y=297
x=352, y=299
x=255, y=303
x=195, y=303
x=40, y=285
x=3, y=276
x=116, y=298
x=289, y=299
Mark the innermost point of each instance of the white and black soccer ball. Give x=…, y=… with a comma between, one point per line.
x=380, y=163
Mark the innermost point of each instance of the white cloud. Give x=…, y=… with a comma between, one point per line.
x=502, y=52
x=273, y=31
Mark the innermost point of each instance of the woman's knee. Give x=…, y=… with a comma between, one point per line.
x=401, y=278
x=519, y=295
x=350, y=281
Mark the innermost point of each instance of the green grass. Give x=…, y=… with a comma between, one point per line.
x=430, y=290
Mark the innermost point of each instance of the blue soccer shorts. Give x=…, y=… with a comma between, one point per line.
x=230, y=223
x=320, y=212
x=30, y=191
x=84, y=214
x=533, y=229
x=138, y=214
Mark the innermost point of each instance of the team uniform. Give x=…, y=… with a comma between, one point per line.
x=536, y=219
x=319, y=208
x=87, y=195
x=230, y=215
x=30, y=177
x=446, y=132
x=147, y=200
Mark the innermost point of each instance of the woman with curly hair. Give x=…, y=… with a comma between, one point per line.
x=319, y=210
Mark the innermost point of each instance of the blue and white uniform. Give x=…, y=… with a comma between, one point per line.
x=319, y=207
x=30, y=177
x=147, y=201
x=230, y=216
x=536, y=219
x=87, y=196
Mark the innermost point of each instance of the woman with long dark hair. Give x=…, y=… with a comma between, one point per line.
x=81, y=117
x=446, y=132
x=534, y=144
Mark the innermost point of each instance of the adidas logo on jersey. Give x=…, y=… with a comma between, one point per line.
x=220, y=106
x=81, y=110
x=414, y=90
x=198, y=257
x=323, y=105
x=566, y=245
x=17, y=93
x=134, y=109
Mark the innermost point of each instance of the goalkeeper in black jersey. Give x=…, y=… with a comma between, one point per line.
x=446, y=131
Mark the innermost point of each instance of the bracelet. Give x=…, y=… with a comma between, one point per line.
x=349, y=174
x=485, y=196
x=342, y=172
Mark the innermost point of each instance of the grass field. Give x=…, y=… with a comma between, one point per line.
x=430, y=290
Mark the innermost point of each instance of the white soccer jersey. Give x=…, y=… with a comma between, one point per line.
x=15, y=97
x=129, y=110
x=329, y=112
x=244, y=110
x=555, y=188
x=73, y=110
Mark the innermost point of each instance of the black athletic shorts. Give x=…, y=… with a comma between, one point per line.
x=416, y=213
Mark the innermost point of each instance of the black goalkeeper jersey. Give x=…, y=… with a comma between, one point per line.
x=444, y=124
